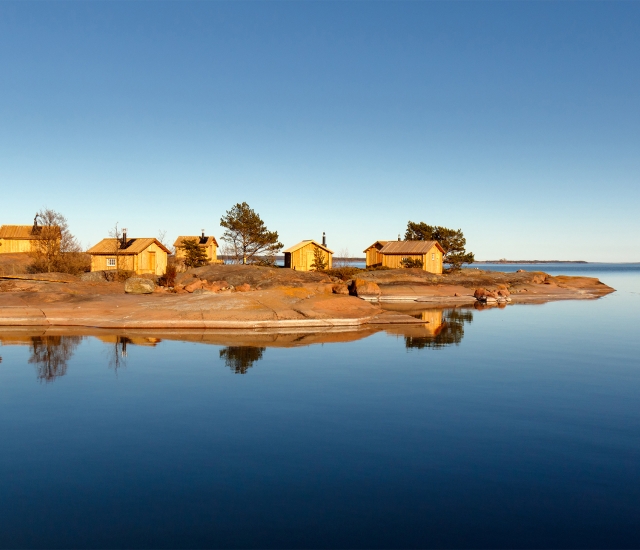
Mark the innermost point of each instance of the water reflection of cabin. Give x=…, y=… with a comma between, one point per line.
x=435, y=320
x=207, y=243
x=434, y=323
x=132, y=340
x=141, y=256
x=301, y=256
x=392, y=253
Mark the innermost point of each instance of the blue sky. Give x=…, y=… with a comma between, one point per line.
x=518, y=122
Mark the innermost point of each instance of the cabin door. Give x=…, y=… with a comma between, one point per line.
x=308, y=260
x=152, y=261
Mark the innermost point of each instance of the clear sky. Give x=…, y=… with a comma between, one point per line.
x=518, y=122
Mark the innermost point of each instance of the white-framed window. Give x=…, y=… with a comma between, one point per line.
x=433, y=255
x=111, y=262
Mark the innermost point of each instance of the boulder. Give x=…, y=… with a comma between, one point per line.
x=217, y=286
x=340, y=289
x=136, y=285
x=490, y=296
x=480, y=293
x=94, y=277
x=362, y=288
x=195, y=285
x=539, y=278
x=246, y=287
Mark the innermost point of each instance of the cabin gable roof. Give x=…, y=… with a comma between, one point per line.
x=21, y=232
x=382, y=243
x=133, y=246
x=305, y=243
x=410, y=247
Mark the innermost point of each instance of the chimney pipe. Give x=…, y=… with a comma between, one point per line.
x=324, y=239
x=203, y=234
x=399, y=237
x=124, y=237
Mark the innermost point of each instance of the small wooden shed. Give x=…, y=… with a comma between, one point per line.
x=208, y=243
x=301, y=256
x=374, y=258
x=18, y=238
x=430, y=252
x=142, y=256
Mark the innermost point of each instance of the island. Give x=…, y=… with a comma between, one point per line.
x=254, y=297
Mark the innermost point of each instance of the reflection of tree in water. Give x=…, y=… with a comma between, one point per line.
x=451, y=331
x=118, y=353
x=51, y=353
x=241, y=358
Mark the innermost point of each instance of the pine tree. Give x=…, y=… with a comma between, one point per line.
x=247, y=235
x=319, y=261
x=451, y=240
x=194, y=254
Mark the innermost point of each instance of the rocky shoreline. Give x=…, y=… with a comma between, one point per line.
x=250, y=297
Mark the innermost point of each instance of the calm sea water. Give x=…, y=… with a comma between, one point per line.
x=515, y=427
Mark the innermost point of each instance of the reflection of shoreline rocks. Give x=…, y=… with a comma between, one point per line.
x=52, y=348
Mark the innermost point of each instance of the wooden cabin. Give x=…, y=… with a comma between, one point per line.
x=430, y=252
x=301, y=256
x=208, y=243
x=374, y=259
x=21, y=238
x=142, y=256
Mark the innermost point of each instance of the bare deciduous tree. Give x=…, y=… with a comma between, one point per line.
x=54, y=247
x=228, y=252
x=116, y=234
x=342, y=260
x=162, y=238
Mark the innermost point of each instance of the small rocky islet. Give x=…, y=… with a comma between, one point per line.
x=244, y=296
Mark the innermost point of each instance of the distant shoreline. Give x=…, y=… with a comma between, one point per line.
x=531, y=262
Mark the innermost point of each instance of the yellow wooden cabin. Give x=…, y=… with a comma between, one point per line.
x=208, y=243
x=301, y=256
x=374, y=258
x=20, y=238
x=142, y=256
x=392, y=253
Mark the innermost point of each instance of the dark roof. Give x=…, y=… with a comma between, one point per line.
x=205, y=242
x=409, y=247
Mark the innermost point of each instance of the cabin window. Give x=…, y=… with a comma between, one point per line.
x=111, y=262
x=433, y=255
